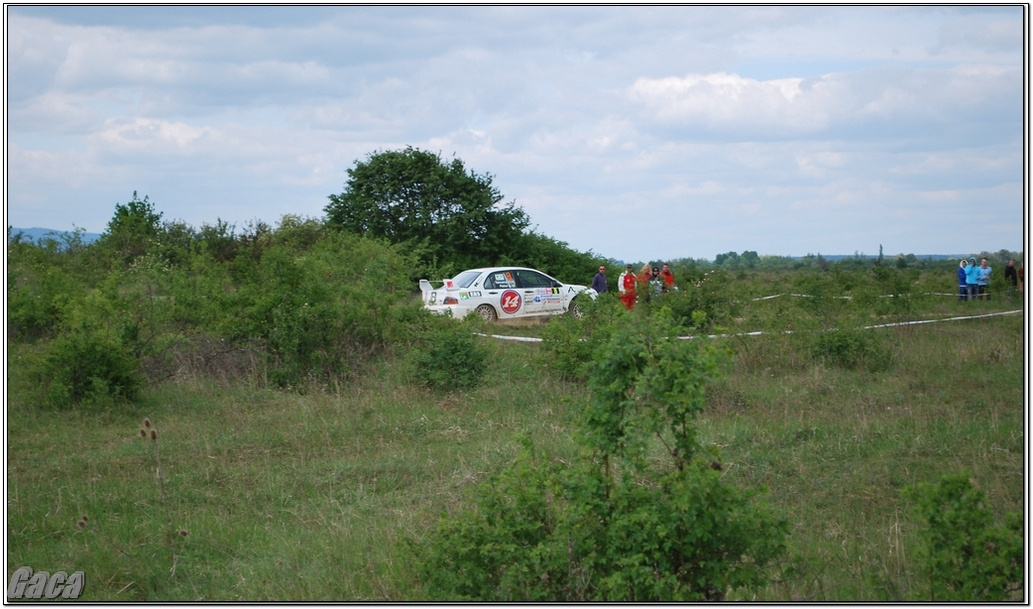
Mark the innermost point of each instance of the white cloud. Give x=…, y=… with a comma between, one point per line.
x=727, y=99
x=816, y=164
x=151, y=136
x=898, y=100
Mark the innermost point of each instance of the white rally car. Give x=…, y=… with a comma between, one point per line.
x=504, y=293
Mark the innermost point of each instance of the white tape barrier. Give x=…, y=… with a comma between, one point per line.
x=846, y=297
x=892, y=325
x=932, y=321
x=529, y=339
x=522, y=339
x=798, y=296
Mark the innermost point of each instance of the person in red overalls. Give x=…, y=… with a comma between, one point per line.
x=627, y=288
x=668, y=277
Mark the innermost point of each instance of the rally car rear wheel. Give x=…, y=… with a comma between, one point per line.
x=487, y=313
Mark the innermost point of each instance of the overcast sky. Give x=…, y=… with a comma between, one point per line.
x=639, y=133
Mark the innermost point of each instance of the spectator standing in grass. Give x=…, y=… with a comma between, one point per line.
x=668, y=277
x=656, y=281
x=599, y=281
x=1011, y=275
x=962, y=283
x=983, y=278
x=971, y=279
x=626, y=287
x=620, y=280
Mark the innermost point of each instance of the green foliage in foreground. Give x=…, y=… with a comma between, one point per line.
x=448, y=357
x=611, y=526
x=308, y=496
x=570, y=342
x=87, y=364
x=965, y=555
x=558, y=531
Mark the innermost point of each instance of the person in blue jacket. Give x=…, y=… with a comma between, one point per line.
x=962, y=284
x=983, y=279
x=972, y=279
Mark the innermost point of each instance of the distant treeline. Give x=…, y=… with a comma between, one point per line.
x=733, y=260
x=38, y=235
x=749, y=260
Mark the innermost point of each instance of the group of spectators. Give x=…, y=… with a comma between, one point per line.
x=649, y=281
x=974, y=280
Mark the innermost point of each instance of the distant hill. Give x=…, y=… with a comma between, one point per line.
x=36, y=234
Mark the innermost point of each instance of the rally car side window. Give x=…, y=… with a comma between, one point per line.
x=531, y=279
x=466, y=278
x=499, y=279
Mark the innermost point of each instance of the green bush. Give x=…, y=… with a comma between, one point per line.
x=965, y=555
x=819, y=295
x=324, y=312
x=134, y=230
x=34, y=300
x=852, y=349
x=612, y=526
x=702, y=303
x=41, y=280
x=85, y=364
x=691, y=537
x=568, y=342
x=506, y=548
x=895, y=288
x=449, y=358
x=552, y=531
x=648, y=384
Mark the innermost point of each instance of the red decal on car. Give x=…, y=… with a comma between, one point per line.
x=510, y=302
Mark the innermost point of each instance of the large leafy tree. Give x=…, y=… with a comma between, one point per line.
x=451, y=218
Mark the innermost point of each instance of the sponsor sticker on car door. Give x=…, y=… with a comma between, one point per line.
x=552, y=300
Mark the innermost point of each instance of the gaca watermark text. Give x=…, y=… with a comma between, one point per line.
x=44, y=585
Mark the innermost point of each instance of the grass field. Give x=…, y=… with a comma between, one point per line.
x=254, y=494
